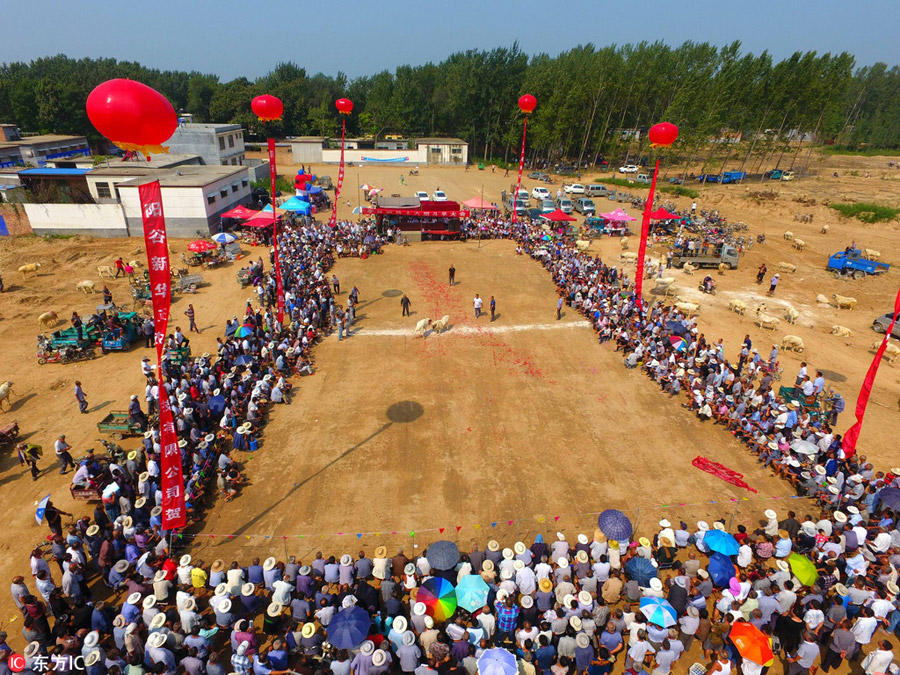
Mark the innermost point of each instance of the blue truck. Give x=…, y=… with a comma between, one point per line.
x=850, y=262
x=733, y=177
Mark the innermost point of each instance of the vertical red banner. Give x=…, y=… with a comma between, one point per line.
x=515, y=218
x=279, y=289
x=174, y=513
x=642, y=248
x=340, y=180
x=852, y=435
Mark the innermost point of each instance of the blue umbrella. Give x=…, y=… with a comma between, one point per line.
x=223, y=238
x=721, y=569
x=659, y=611
x=443, y=555
x=615, y=525
x=497, y=662
x=641, y=570
x=721, y=542
x=216, y=405
x=243, y=359
x=676, y=327
x=890, y=497
x=471, y=592
x=349, y=628
x=41, y=508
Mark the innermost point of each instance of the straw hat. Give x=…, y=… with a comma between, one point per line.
x=487, y=566
x=545, y=585
x=159, y=576
x=840, y=516
x=93, y=530
x=379, y=658
x=304, y=571
x=120, y=621
x=144, y=477
x=367, y=647
x=224, y=606
x=127, y=522
x=582, y=539
x=419, y=609
x=853, y=510
x=493, y=545
x=770, y=514
x=91, y=639
x=567, y=600
x=562, y=563
x=218, y=565
x=508, y=554
x=782, y=565
x=643, y=541
x=185, y=560
x=190, y=605
x=133, y=599
x=346, y=560
x=400, y=624
x=149, y=601
x=575, y=622
x=581, y=556
x=381, y=552
x=308, y=630
x=156, y=511
x=241, y=431
x=702, y=525
x=247, y=589
x=582, y=640
x=702, y=573
x=527, y=602
x=408, y=639
x=665, y=523
x=833, y=490
x=560, y=536
x=665, y=541
x=819, y=469
x=518, y=565
x=599, y=537
x=133, y=454
x=410, y=569
x=501, y=596
x=506, y=574
x=32, y=650
x=584, y=597
x=841, y=590
x=158, y=620
x=269, y=563
x=892, y=587
x=655, y=584
x=784, y=534
x=520, y=548
x=139, y=502
x=274, y=609
x=156, y=640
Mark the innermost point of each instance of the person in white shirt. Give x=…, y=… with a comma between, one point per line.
x=879, y=660
x=745, y=555
x=864, y=627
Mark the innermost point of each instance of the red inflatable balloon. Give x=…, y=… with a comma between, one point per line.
x=267, y=108
x=344, y=106
x=663, y=133
x=527, y=104
x=132, y=115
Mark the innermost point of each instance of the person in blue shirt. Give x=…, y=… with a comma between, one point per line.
x=545, y=654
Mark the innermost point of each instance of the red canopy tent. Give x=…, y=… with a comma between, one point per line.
x=479, y=203
x=662, y=214
x=240, y=212
x=557, y=216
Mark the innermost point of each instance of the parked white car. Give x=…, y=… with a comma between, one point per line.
x=540, y=193
x=422, y=196
x=574, y=189
x=439, y=196
x=629, y=168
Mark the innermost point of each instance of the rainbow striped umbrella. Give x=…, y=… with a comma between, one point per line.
x=678, y=342
x=439, y=598
x=245, y=330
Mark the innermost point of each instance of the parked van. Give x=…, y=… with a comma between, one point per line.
x=643, y=178
x=596, y=190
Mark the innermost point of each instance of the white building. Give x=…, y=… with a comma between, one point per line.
x=217, y=144
x=18, y=149
x=318, y=149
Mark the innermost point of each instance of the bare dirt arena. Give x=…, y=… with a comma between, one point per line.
x=503, y=428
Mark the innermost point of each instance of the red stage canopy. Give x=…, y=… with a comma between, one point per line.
x=417, y=212
x=241, y=212
x=557, y=216
x=662, y=214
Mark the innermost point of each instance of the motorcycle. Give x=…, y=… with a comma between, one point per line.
x=48, y=354
x=707, y=286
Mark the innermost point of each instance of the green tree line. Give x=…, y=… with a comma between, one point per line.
x=586, y=97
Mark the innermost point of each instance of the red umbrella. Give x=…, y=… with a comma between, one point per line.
x=662, y=214
x=201, y=245
x=751, y=642
x=557, y=216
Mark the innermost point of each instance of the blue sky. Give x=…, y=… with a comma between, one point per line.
x=231, y=38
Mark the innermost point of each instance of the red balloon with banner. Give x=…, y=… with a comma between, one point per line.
x=344, y=107
x=138, y=118
x=662, y=134
x=268, y=108
x=132, y=115
x=527, y=104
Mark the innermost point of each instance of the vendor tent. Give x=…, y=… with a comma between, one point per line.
x=557, y=216
x=295, y=204
x=618, y=216
x=479, y=203
x=662, y=214
x=240, y=212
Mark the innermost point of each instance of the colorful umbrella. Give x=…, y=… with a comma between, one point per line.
x=365, y=187
x=223, y=238
x=443, y=555
x=245, y=330
x=201, y=245
x=615, y=525
x=752, y=644
x=439, y=597
x=375, y=191
x=472, y=592
x=803, y=568
x=497, y=662
x=659, y=611
x=641, y=570
x=41, y=509
x=721, y=542
x=679, y=343
x=349, y=628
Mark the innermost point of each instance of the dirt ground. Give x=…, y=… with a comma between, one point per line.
x=501, y=429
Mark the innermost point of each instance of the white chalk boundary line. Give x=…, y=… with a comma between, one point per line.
x=469, y=330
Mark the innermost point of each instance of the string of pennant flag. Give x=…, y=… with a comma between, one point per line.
x=479, y=526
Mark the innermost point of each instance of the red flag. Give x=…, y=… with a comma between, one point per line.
x=852, y=435
x=521, y=164
x=642, y=249
x=279, y=289
x=340, y=180
x=174, y=514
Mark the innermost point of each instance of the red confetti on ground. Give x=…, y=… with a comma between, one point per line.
x=721, y=471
